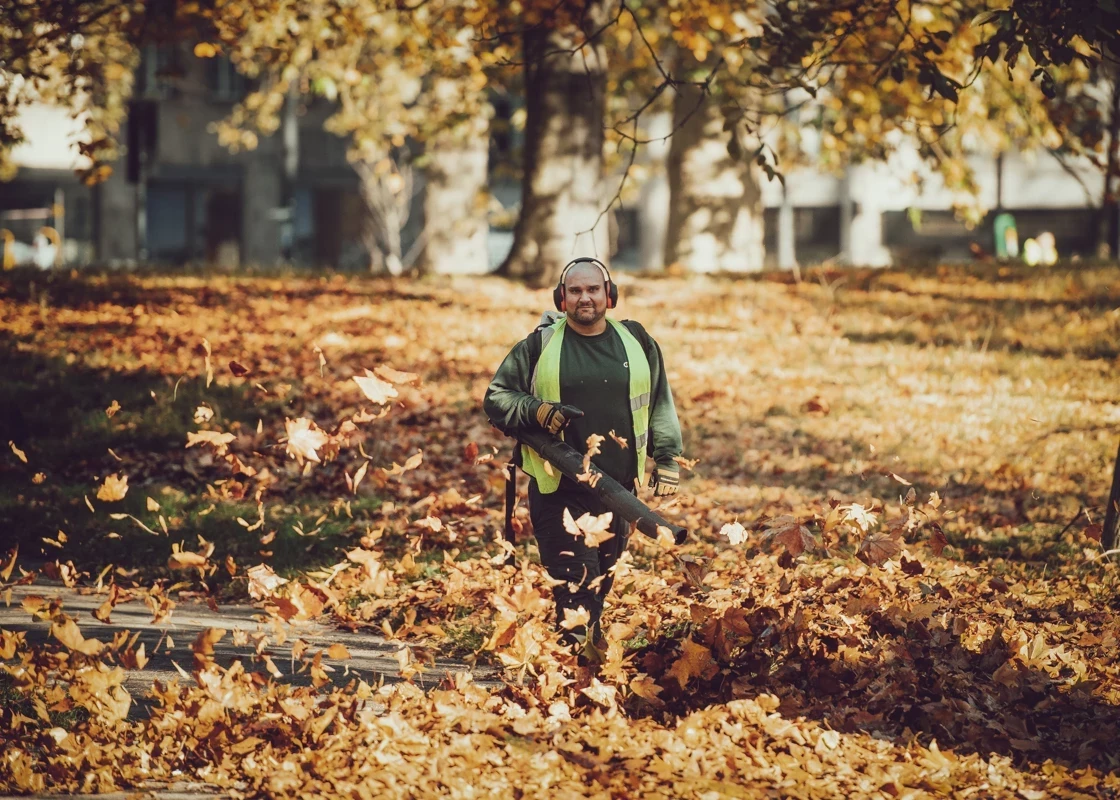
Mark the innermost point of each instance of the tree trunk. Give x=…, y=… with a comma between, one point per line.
x=787, y=236
x=1111, y=533
x=454, y=239
x=562, y=196
x=1110, y=211
x=386, y=190
x=715, y=202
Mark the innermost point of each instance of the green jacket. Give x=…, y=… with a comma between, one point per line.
x=511, y=407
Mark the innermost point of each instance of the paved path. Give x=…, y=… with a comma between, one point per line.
x=372, y=657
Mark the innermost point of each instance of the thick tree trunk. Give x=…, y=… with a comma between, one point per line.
x=386, y=190
x=715, y=205
x=1110, y=536
x=1110, y=223
x=562, y=187
x=454, y=239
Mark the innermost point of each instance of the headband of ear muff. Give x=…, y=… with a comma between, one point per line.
x=612, y=290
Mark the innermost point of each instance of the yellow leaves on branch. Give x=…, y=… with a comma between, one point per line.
x=113, y=489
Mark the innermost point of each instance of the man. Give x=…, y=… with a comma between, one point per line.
x=586, y=374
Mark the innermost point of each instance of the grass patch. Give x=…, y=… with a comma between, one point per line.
x=16, y=701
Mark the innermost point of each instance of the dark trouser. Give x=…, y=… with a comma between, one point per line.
x=567, y=558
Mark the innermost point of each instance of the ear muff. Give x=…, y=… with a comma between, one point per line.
x=558, y=293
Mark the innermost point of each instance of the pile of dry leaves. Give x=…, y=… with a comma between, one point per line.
x=843, y=621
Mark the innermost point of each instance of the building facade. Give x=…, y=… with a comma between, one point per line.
x=181, y=197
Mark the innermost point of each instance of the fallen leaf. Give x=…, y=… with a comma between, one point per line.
x=817, y=405
x=71, y=637
x=184, y=559
x=695, y=569
x=263, y=581
x=377, y=390
x=304, y=439
x=593, y=529
x=575, y=618
x=877, y=548
x=621, y=442
x=791, y=534
x=113, y=489
x=395, y=376
x=937, y=540
x=736, y=534
x=695, y=661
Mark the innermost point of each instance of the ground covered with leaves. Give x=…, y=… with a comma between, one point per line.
x=893, y=584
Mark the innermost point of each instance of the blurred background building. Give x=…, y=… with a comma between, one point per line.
x=178, y=196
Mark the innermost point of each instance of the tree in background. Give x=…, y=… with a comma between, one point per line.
x=77, y=55
x=565, y=62
x=407, y=91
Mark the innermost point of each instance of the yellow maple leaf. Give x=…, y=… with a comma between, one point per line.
x=114, y=489
x=594, y=529
x=694, y=662
x=377, y=390
x=304, y=439
x=646, y=688
x=735, y=532
x=601, y=693
x=575, y=618
x=67, y=632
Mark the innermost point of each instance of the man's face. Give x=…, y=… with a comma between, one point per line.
x=585, y=294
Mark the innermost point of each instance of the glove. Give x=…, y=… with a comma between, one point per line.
x=554, y=418
x=664, y=481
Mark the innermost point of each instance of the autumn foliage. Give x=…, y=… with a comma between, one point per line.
x=882, y=595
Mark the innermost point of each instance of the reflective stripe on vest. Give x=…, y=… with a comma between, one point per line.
x=545, y=385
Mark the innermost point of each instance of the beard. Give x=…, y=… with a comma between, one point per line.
x=588, y=315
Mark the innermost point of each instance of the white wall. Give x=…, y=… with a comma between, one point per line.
x=51, y=138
